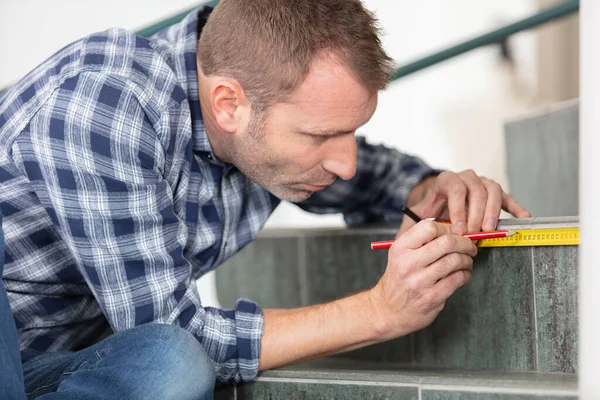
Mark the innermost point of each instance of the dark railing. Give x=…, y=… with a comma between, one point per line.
x=495, y=36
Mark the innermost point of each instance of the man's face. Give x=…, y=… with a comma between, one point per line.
x=302, y=145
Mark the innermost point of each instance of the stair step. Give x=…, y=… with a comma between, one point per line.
x=518, y=312
x=334, y=378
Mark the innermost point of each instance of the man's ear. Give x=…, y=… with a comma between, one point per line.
x=229, y=104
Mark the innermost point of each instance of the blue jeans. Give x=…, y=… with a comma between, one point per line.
x=154, y=361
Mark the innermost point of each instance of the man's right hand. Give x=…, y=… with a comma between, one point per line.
x=425, y=266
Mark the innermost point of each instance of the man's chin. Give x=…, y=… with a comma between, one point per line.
x=291, y=195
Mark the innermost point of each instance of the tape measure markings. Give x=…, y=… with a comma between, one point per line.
x=536, y=237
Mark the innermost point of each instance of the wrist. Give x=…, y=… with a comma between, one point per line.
x=380, y=320
x=418, y=193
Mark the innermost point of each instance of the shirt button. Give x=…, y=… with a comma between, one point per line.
x=209, y=156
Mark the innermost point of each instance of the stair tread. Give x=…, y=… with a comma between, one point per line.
x=338, y=369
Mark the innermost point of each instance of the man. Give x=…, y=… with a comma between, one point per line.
x=131, y=167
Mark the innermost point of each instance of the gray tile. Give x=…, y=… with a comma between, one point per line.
x=394, y=351
x=266, y=271
x=458, y=395
x=542, y=160
x=338, y=266
x=323, y=391
x=476, y=380
x=488, y=323
x=225, y=393
x=556, y=305
x=341, y=265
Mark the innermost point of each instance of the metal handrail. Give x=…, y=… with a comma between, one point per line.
x=542, y=17
x=496, y=36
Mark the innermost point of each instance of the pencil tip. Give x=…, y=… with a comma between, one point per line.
x=511, y=233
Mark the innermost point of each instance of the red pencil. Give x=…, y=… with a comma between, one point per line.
x=386, y=244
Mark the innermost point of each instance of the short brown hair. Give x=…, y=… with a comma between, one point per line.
x=268, y=45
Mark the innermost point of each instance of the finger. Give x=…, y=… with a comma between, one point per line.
x=446, y=266
x=456, y=192
x=510, y=204
x=448, y=285
x=477, y=196
x=420, y=234
x=493, y=207
x=443, y=246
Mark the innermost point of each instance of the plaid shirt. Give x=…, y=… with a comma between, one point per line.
x=114, y=203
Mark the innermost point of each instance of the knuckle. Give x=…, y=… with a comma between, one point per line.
x=429, y=299
x=455, y=260
x=469, y=172
x=429, y=227
x=447, y=243
x=414, y=285
x=466, y=277
x=479, y=192
x=405, y=272
x=495, y=186
x=467, y=261
x=459, y=189
x=462, y=277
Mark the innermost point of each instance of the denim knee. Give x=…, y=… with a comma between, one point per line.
x=180, y=368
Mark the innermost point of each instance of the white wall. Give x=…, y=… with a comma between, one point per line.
x=451, y=114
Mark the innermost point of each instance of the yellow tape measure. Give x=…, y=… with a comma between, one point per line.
x=536, y=237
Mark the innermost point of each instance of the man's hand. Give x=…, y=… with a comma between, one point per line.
x=425, y=266
x=471, y=202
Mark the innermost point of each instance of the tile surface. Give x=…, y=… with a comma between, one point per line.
x=323, y=391
x=556, y=304
x=488, y=323
x=338, y=266
x=542, y=161
x=458, y=395
x=394, y=351
x=225, y=393
x=266, y=271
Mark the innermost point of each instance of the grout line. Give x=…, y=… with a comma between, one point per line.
x=302, y=272
x=459, y=387
x=412, y=342
x=336, y=382
x=535, y=316
x=501, y=390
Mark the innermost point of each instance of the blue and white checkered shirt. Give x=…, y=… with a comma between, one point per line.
x=114, y=203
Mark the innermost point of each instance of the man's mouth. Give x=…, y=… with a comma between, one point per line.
x=315, y=188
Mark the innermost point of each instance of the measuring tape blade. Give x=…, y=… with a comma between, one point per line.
x=536, y=237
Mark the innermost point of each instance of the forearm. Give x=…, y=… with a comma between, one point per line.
x=292, y=336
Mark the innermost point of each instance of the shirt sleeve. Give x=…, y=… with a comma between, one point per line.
x=384, y=178
x=101, y=164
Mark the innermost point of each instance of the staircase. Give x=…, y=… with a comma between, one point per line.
x=509, y=334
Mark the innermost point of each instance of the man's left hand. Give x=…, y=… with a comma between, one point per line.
x=472, y=203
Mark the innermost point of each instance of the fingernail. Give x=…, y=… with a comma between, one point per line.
x=490, y=224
